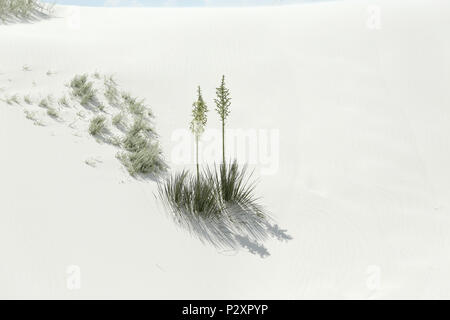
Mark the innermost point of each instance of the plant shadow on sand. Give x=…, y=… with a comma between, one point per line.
x=235, y=223
x=236, y=231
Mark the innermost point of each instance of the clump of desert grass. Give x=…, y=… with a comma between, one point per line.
x=14, y=99
x=190, y=196
x=46, y=102
x=27, y=99
x=143, y=154
x=136, y=106
x=23, y=10
x=118, y=120
x=63, y=102
x=111, y=92
x=137, y=136
x=114, y=140
x=144, y=161
x=101, y=107
x=97, y=125
x=83, y=89
x=33, y=116
x=52, y=112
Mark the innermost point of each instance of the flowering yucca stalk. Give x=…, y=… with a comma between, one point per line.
x=223, y=102
x=198, y=122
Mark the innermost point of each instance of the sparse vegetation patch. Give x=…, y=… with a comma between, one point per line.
x=83, y=89
x=131, y=132
x=63, y=102
x=27, y=99
x=97, y=125
x=14, y=99
x=46, y=102
x=143, y=155
x=23, y=10
x=52, y=112
x=111, y=92
x=136, y=106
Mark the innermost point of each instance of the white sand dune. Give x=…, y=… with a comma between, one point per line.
x=363, y=181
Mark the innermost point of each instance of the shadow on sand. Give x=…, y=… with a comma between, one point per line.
x=239, y=228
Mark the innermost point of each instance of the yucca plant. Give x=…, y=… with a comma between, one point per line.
x=217, y=204
x=190, y=196
x=234, y=184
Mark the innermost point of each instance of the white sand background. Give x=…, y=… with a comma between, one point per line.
x=363, y=184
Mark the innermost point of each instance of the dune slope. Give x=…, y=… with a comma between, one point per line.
x=361, y=182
